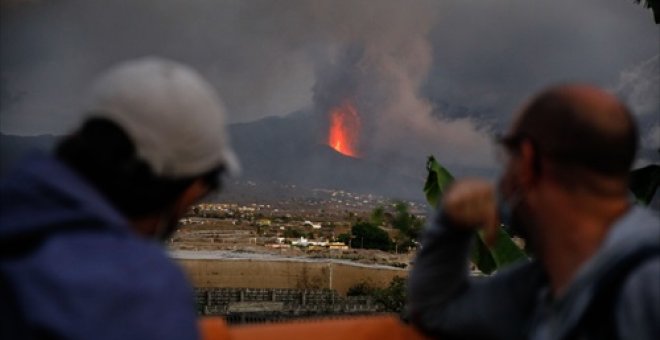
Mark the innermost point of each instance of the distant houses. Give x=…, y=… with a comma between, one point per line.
x=308, y=244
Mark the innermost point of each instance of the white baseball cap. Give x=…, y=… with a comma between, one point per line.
x=172, y=115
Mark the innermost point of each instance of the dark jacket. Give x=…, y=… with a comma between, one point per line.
x=72, y=268
x=514, y=303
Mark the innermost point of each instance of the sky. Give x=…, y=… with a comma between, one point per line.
x=403, y=61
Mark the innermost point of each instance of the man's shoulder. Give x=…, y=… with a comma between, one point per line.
x=44, y=197
x=644, y=280
x=639, y=225
x=107, y=266
x=124, y=260
x=639, y=303
x=89, y=281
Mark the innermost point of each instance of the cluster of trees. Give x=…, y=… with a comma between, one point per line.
x=367, y=235
x=370, y=235
x=295, y=233
x=392, y=297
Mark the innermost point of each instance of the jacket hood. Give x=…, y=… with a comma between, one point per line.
x=638, y=228
x=43, y=194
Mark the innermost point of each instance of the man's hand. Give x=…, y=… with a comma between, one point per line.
x=470, y=205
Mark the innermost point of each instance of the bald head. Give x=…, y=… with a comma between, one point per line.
x=580, y=126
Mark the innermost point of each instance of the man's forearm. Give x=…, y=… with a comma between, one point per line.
x=440, y=269
x=445, y=300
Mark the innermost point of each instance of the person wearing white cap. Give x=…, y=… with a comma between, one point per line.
x=78, y=257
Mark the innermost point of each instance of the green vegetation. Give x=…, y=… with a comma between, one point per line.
x=644, y=183
x=378, y=215
x=437, y=181
x=360, y=289
x=369, y=236
x=346, y=238
x=293, y=233
x=408, y=225
x=392, y=298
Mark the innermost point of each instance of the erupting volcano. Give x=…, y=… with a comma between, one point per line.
x=344, y=129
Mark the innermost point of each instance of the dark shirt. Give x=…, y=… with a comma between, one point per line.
x=76, y=269
x=445, y=301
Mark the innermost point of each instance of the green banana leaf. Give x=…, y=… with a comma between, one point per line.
x=437, y=181
x=482, y=257
x=644, y=183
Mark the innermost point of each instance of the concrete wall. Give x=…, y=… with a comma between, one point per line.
x=251, y=273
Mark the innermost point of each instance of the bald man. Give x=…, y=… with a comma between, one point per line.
x=595, y=273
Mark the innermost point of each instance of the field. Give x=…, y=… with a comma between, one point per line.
x=229, y=245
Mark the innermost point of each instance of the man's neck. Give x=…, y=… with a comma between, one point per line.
x=574, y=233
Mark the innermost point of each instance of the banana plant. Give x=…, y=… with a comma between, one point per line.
x=644, y=183
x=486, y=259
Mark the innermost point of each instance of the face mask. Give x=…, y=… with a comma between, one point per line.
x=506, y=209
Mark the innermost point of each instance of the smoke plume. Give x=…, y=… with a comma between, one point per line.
x=420, y=73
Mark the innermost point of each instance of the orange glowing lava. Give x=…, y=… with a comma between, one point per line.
x=344, y=129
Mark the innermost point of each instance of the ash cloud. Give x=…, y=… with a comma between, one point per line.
x=381, y=59
x=639, y=87
x=427, y=76
x=397, y=125
x=52, y=50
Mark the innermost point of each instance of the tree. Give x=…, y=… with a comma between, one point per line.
x=292, y=233
x=409, y=225
x=378, y=215
x=369, y=236
x=360, y=289
x=392, y=298
x=644, y=183
x=346, y=238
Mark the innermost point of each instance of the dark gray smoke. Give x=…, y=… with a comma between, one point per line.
x=639, y=87
x=427, y=76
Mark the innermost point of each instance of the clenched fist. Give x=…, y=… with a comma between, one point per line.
x=470, y=204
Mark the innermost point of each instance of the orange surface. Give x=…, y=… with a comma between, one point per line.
x=355, y=328
x=213, y=328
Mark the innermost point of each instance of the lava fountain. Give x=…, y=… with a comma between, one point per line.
x=344, y=130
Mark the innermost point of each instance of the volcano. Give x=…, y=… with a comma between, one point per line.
x=344, y=131
x=289, y=150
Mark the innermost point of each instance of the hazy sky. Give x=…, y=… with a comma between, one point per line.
x=274, y=57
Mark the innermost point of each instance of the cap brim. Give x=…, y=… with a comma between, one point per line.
x=231, y=163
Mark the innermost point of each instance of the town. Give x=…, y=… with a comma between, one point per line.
x=316, y=227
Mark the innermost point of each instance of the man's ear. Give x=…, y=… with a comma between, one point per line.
x=528, y=173
x=193, y=193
